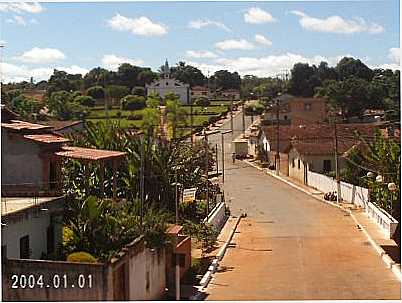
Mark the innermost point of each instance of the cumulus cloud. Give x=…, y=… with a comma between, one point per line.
x=113, y=62
x=263, y=66
x=229, y=44
x=19, y=20
x=41, y=55
x=17, y=73
x=200, y=23
x=395, y=54
x=22, y=7
x=336, y=24
x=262, y=40
x=200, y=54
x=256, y=15
x=142, y=26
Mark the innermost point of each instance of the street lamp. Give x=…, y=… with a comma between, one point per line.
x=223, y=154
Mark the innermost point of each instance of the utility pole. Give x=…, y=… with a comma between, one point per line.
x=177, y=267
x=191, y=122
x=243, y=119
x=207, y=169
x=231, y=114
x=277, y=157
x=338, y=180
x=223, y=154
x=217, y=162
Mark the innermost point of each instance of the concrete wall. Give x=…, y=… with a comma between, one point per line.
x=217, y=217
x=136, y=273
x=349, y=192
x=20, y=161
x=48, y=269
x=32, y=222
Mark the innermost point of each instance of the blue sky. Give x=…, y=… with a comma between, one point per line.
x=261, y=38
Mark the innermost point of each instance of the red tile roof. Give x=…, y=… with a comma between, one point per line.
x=23, y=125
x=325, y=147
x=89, y=153
x=47, y=138
x=58, y=125
x=199, y=88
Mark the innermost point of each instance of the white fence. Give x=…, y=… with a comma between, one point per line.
x=349, y=192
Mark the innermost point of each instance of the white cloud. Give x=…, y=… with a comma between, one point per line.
x=395, y=54
x=22, y=7
x=142, y=26
x=262, y=40
x=200, y=54
x=113, y=62
x=256, y=15
x=17, y=73
x=336, y=24
x=200, y=23
x=263, y=66
x=19, y=20
x=41, y=55
x=234, y=44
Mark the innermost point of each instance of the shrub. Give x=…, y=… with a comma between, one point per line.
x=132, y=102
x=138, y=91
x=134, y=117
x=96, y=92
x=81, y=257
x=202, y=101
x=85, y=101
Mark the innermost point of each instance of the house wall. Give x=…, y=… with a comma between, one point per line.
x=32, y=222
x=48, y=269
x=20, y=161
x=295, y=171
x=168, y=86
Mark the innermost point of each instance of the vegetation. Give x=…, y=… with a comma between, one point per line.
x=131, y=102
x=81, y=257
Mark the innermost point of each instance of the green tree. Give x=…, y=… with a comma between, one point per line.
x=61, y=80
x=188, y=74
x=202, y=101
x=96, y=92
x=131, y=102
x=175, y=113
x=84, y=101
x=226, y=80
x=27, y=108
x=350, y=67
x=138, y=90
x=304, y=79
x=116, y=92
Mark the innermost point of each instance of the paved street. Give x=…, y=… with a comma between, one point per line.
x=293, y=247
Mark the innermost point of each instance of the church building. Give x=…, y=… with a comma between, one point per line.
x=167, y=84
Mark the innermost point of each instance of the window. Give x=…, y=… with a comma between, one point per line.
x=327, y=165
x=24, y=247
x=293, y=162
x=298, y=163
x=307, y=106
x=285, y=117
x=167, y=83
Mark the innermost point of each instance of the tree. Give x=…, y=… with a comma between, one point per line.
x=226, y=80
x=26, y=107
x=188, y=74
x=146, y=76
x=175, y=113
x=350, y=67
x=61, y=105
x=116, y=92
x=138, y=90
x=131, y=102
x=61, y=80
x=98, y=76
x=202, y=101
x=84, y=101
x=304, y=79
x=96, y=92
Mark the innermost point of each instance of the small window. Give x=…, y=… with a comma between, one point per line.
x=293, y=162
x=298, y=163
x=167, y=83
x=307, y=106
x=24, y=247
x=285, y=117
x=327, y=166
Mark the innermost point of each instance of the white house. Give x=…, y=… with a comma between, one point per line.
x=167, y=84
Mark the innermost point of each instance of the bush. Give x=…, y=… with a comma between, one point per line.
x=96, y=92
x=81, y=257
x=202, y=101
x=132, y=102
x=134, y=117
x=138, y=91
x=85, y=101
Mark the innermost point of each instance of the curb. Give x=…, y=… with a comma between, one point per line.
x=390, y=264
x=215, y=264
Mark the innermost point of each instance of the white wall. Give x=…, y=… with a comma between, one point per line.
x=349, y=192
x=217, y=216
x=169, y=85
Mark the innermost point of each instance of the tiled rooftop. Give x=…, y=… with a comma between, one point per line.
x=89, y=153
x=47, y=138
x=23, y=125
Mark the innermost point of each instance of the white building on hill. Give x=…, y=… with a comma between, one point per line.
x=167, y=84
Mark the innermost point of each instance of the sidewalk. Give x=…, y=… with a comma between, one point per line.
x=386, y=248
